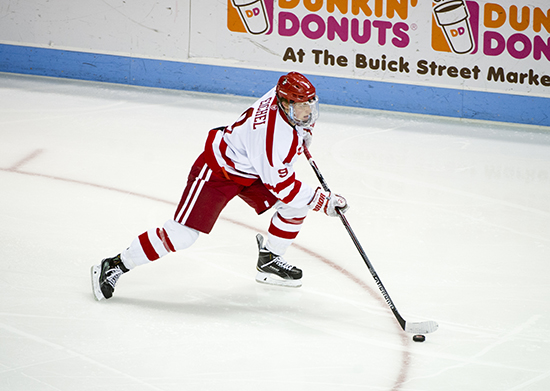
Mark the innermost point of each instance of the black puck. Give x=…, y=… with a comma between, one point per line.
x=419, y=338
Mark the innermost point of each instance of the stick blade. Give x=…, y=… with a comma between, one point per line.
x=421, y=327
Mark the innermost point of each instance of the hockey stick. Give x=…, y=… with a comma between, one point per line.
x=417, y=327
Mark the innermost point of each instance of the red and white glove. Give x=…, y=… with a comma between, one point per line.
x=328, y=202
x=308, y=136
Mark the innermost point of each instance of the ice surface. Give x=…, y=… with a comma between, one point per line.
x=454, y=215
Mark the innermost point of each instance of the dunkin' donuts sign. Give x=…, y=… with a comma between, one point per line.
x=481, y=44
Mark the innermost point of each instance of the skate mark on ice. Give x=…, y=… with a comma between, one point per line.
x=15, y=167
x=70, y=353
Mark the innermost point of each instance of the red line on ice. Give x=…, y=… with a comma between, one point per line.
x=405, y=357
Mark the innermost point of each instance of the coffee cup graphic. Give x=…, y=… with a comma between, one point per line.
x=453, y=18
x=253, y=15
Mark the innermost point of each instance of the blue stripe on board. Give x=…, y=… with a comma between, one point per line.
x=249, y=82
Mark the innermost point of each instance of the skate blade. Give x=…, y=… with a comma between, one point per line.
x=95, y=272
x=266, y=278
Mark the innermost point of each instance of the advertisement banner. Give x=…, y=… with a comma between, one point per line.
x=477, y=59
x=474, y=45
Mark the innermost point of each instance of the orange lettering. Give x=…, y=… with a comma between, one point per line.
x=399, y=6
x=490, y=9
x=341, y=4
x=288, y=4
x=362, y=5
x=525, y=18
x=313, y=5
x=378, y=8
x=540, y=19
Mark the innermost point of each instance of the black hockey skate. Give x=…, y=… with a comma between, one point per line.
x=273, y=269
x=105, y=276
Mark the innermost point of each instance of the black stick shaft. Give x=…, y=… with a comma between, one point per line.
x=383, y=290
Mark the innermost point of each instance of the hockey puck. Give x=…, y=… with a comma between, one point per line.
x=419, y=338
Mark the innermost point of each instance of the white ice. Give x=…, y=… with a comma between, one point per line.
x=454, y=215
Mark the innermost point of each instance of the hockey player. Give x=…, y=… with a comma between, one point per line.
x=253, y=159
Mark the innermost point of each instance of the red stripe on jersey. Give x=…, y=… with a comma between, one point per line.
x=223, y=150
x=211, y=161
x=209, y=155
x=293, y=148
x=242, y=119
x=148, y=247
x=294, y=191
x=163, y=236
x=279, y=187
x=280, y=233
x=270, y=135
x=282, y=185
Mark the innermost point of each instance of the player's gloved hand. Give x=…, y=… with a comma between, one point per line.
x=328, y=202
x=308, y=136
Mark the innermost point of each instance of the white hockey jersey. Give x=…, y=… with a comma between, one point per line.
x=261, y=144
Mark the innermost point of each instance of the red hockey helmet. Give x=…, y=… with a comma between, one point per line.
x=295, y=87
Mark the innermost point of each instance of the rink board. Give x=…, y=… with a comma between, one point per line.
x=254, y=82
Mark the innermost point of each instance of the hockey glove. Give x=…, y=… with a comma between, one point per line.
x=308, y=136
x=328, y=203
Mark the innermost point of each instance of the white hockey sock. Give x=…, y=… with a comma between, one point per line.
x=282, y=232
x=156, y=243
